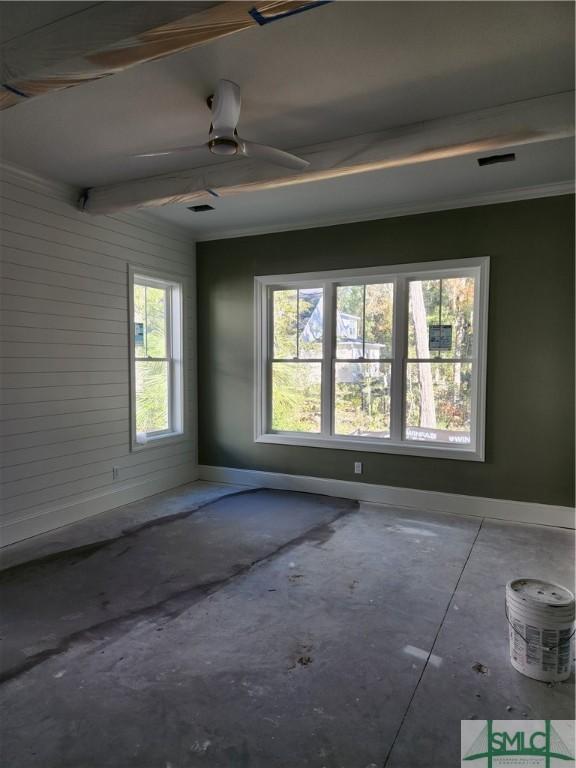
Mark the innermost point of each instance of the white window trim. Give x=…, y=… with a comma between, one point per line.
x=176, y=335
x=478, y=267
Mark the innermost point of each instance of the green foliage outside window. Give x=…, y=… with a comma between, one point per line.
x=151, y=380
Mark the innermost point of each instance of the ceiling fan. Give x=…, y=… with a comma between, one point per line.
x=223, y=137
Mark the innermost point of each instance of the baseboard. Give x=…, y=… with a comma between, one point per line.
x=92, y=504
x=411, y=498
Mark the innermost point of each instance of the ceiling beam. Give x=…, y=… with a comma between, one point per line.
x=485, y=131
x=110, y=37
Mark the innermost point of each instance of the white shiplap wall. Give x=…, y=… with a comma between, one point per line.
x=64, y=368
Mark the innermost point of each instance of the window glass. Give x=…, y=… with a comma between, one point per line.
x=155, y=330
x=362, y=399
x=310, y=322
x=298, y=323
x=438, y=402
x=285, y=324
x=440, y=318
x=349, y=321
x=364, y=317
x=151, y=396
x=296, y=405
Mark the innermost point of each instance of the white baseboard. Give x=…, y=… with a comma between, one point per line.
x=92, y=504
x=433, y=501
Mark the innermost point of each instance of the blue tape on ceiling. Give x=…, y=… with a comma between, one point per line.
x=15, y=90
x=262, y=20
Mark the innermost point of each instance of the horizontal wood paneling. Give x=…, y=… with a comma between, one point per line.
x=13, y=271
x=45, y=517
x=57, y=336
x=61, y=264
x=61, y=322
x=38, y=424
x=85, y=295
x=128, y=466
x=113, y=454
x=64, y=381
x=53, y=307
x=60, y=379
x=11, y=411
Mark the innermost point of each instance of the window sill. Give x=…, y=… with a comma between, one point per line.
x=154, y=441
x=360, y=445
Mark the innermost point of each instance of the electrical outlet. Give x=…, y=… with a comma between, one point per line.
x=115, y=473
x=357, y=467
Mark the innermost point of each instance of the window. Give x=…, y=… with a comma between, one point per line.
x=157, y=408
x=389, y=359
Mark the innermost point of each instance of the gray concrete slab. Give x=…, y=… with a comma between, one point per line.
x=333, y=636
x=475, y=631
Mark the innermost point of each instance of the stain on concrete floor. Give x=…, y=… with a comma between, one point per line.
x=161, y=566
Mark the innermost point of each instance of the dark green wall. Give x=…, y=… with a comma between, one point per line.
x=530, y=391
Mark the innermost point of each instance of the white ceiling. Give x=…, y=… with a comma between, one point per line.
x=336, y=71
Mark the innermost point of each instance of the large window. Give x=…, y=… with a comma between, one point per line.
x=389, y=359
x=156, y=358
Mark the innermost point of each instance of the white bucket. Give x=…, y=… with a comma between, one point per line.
x=541, y=628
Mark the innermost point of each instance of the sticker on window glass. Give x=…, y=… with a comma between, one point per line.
x=139, y=334
x=440, y=336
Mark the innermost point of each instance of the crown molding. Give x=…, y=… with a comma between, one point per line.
x=408, y=209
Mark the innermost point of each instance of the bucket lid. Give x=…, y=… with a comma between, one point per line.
x=541, y=593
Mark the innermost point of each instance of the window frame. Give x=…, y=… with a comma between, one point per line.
x=175, y=295
x=399, y=274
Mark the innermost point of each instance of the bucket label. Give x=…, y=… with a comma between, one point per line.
x=531, y=743
x=545, y=649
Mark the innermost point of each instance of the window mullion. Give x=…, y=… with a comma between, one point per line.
x=329, y=333
x=399, y=351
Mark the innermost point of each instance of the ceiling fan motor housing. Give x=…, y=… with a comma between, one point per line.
x=223, y=146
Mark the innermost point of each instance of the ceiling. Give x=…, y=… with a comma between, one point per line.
x=18, y=18
x=339, y=70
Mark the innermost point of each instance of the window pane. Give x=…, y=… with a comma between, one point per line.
x=151, y=396
x=379, y=304
x=362, y=399
x=139, y=320
x=285, y=323
x=298, y=317
x=310, y=322
x=438, y=402
x=296, y=397
x=364, y=313
x=441, y=317
x=349, y=321
x=156, y=322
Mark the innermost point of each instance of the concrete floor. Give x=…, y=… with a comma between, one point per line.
x=218, y=627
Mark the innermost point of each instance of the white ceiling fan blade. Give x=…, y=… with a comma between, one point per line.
x=273, y=155
x=226, y=108
x=173, y=151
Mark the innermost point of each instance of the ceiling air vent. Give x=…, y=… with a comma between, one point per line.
x=201, y=208
x=493, y=159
